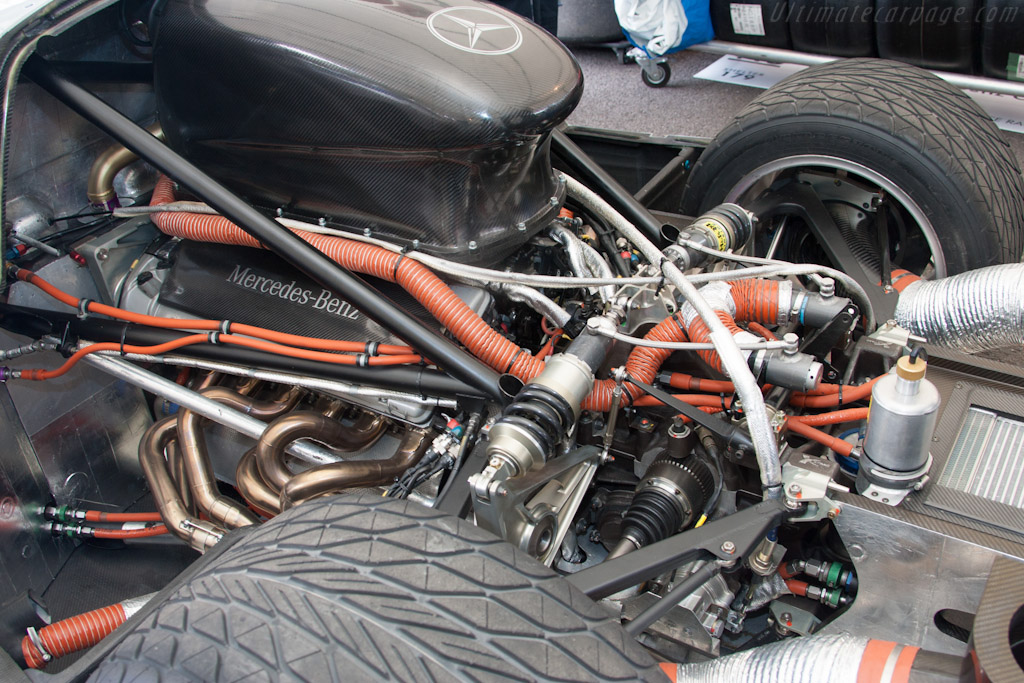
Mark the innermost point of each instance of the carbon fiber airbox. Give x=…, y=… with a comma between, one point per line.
x=415, y=120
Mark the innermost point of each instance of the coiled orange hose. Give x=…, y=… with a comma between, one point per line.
x=73, y=634
x=485, y=343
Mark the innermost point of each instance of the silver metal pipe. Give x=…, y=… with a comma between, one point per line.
x=210, y=409
x=771, y=54
x=535, y=300
x=330, y=386
x=600, y=268
x=974, y=311
x=584, y=264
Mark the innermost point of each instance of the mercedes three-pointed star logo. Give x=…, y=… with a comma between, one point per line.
x=463, y=27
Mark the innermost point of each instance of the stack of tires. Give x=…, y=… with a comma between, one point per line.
x=942, y=35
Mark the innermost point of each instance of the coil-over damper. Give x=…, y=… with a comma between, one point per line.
x=521, y=467
x=725, y=227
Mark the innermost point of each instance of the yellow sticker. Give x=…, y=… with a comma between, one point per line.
x=720, y=234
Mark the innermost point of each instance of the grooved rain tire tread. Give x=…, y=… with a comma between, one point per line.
x=934, y=129
x=354, y=588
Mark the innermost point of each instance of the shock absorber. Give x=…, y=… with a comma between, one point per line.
x=725, y=227
x=526, y=438
x=546, y=409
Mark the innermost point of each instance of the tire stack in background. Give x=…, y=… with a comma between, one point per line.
x=832, y=27
x=980, y=37
x=1002, y=40
x=934, y=35
x=757, y=22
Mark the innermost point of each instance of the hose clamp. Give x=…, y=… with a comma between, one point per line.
x=33, y=636
x=83, y=308
x=786, y=298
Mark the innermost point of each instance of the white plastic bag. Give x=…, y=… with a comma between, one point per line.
x=658, y=25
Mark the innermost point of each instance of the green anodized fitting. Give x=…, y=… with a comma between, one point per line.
x=834, y=574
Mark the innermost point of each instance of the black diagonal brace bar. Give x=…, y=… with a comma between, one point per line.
x=274, y=237
x=590, y=173
x=742, y=530
x=735, y=437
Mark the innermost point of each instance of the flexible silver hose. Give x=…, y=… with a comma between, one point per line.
x=600, y=268
x=535, y=300
x=170, y=207
x=974, y=311
x=811, y=659
x=733, y=360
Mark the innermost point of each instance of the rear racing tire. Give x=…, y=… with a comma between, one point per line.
x=352, y=588
x=884, y=126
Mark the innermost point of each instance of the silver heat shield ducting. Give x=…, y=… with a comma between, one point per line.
x=813, y=659
x=974, y=311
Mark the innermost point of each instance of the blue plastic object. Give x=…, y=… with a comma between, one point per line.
x=698, y=27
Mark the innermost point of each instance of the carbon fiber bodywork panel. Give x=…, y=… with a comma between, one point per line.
x=418, y=120
x=998, y=622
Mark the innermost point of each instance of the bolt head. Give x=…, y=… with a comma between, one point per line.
x=472, y=245
x=833, y=513
x=554, y=201
x=795, y=489
x=728, y=547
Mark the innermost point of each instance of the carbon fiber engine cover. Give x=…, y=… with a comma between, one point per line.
x=416, y=120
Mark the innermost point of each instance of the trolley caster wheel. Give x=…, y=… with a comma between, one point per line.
x=657, y=76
